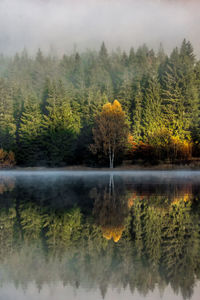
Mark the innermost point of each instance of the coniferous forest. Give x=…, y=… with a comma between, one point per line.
x=52, y=109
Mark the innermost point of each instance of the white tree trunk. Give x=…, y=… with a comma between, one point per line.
x=111, y=157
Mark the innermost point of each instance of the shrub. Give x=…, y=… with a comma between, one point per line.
x=180, y=149
x=161, y=145
x=7, y=159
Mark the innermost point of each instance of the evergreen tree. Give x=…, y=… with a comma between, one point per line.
x=189, y=87
x=152, y=113
x=125, y=95
x=29, y=146
x=59, y=132
x=137, y=115
x=173, y=101
x=7, y=122
x=84, y=82
x=103, y=55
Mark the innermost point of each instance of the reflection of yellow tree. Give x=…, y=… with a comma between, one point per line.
x=112, y=232
x=7, y=184
x=110, y=210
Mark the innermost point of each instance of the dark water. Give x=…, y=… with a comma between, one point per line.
x=87, y=235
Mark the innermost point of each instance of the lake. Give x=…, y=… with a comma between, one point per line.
x=99, y=235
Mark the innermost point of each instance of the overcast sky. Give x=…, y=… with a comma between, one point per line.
x=60, y=24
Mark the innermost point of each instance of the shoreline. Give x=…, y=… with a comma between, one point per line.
x=136, y=167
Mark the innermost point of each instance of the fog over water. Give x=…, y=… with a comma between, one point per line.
x=138, y=174
x=59, y=25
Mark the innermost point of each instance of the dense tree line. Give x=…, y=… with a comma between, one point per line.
x=48, y=105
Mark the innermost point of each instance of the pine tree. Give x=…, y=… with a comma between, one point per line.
x=125, y=94
x=77, y=74
x=7, y=122
x=189, y=87
x=131, y=58
x=137, y=115
x=103, y=55
x=173, y=101
x=29, y=146
x=152, y=113
x=180, y=94
x=59, y=131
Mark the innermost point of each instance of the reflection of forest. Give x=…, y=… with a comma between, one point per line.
x=157, y=235
x=110, y=210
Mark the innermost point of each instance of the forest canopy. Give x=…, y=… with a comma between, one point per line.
x=49, y=105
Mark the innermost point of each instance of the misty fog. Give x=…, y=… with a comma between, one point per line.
x=61, y=25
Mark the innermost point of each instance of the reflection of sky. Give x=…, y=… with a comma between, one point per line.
x=58, y=292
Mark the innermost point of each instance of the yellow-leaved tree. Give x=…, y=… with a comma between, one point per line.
x=110, y=132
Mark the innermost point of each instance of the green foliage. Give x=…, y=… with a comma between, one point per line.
x=7, y=122
x=29, y=143
x=152, y=118
x=59, y=132
x=48, y=104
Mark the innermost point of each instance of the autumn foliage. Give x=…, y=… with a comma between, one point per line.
x=7, y=159
x=110, y=133
x=161, y=145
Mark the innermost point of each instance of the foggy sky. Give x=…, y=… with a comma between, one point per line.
x=59, y=25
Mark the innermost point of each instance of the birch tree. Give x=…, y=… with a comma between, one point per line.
x=110, y=132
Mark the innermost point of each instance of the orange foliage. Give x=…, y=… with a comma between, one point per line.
x=7, y=159
x=134, y=196
x=110, y=131
x=110, y=232
x=179, y=199
x=114, y=108
x=131, y=146
x=161, y=146
x=142, y=151
x=131, y=199
x=181, y=149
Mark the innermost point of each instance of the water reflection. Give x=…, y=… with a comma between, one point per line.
x=101, y=232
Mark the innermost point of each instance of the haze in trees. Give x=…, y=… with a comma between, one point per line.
x=51, y=108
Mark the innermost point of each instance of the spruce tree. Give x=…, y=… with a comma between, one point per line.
x=137, y=115
x=59, y=130
x=152, y=114
x=29, y=150
x=7, y=122
x=125, y=95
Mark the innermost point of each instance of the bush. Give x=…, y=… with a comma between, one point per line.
x=180, y=149
x=161, y=145
x=7, y=159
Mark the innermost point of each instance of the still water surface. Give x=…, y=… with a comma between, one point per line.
x=94, y=235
